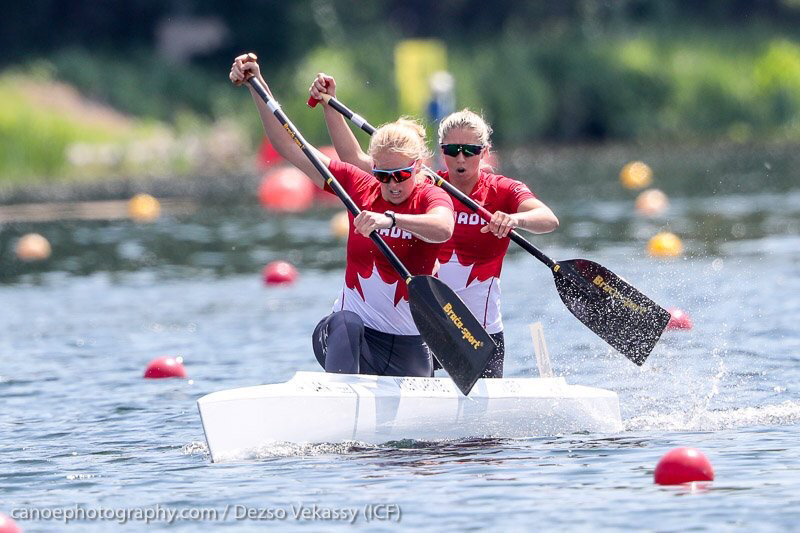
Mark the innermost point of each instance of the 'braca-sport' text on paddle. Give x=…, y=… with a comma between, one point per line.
x=608, y=305
x=445, y=323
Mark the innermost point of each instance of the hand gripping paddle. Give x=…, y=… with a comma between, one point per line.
x=445, y=323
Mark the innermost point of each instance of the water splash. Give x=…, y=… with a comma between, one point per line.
x=195, y=448
x=782, y=414
x=291, y=449
x=80, y=477
x=703, y=406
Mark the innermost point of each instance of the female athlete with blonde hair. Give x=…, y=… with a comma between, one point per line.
x=371, y=330
x=471, y=261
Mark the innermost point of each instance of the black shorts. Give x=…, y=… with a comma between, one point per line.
x=344, y=345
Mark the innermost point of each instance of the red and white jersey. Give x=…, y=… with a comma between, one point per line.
x=471, y=261
x=372, y=287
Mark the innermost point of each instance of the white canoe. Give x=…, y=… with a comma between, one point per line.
x=315, y=407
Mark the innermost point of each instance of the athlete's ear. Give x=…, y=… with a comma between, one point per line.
x=418, y=169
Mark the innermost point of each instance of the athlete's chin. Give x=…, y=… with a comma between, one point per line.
x=395, y=197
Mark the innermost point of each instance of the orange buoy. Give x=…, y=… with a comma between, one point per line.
x=665, y=244
x=652, y=203
x=636, y=175
x=32, y=247
x=340, y=224
x=279, y=272
x=683, y=465
x=165, y=367
x=144, y=208
x=679, y=319
x=286, y=189
x=7, y=525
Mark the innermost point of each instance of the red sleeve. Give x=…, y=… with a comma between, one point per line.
x=433, y=196
x=513, y=193
x=352, y=179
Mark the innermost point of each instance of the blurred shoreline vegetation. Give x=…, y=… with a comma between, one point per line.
x=101, y=101
x=54, y=127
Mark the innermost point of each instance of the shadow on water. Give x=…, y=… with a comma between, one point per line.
x=415, y=453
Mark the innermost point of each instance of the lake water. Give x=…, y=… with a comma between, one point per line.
x=79, y=427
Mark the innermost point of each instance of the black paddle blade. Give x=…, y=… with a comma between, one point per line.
x=618, y=313
x=450, y=330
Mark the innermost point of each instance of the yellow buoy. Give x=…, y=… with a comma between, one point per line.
x=652, y=203
x=32, y=247
x=144, y=208
x=665, y=244
x=340, y=224
x=636, y=175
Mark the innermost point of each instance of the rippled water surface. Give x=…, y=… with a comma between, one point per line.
x=79, y=427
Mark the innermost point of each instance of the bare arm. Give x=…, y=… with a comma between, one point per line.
x=344, y=140
x=281, y=140
x=532, y=215
x=434, y=226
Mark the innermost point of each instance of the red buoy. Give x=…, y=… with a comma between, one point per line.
x=267, y=155
x=286, y=189
x=679, y=319
x=683, y=465
x=278, y=272
x=7, y=525
x=165, y=367
x=322, y=197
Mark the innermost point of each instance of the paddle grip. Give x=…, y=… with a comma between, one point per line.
x=312, y=102
x=251, y=57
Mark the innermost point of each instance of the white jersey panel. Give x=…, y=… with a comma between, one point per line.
x=377, y=304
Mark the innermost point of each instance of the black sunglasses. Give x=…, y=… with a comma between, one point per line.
x=467, y=149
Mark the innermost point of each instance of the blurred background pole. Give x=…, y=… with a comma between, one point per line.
x=441, y=104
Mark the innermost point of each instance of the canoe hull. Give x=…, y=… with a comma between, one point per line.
x=317, y=407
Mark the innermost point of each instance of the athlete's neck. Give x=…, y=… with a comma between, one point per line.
x=464, y=184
